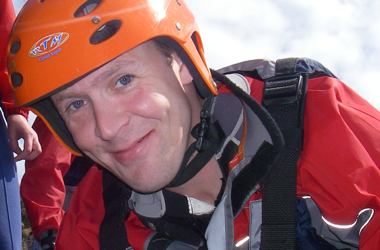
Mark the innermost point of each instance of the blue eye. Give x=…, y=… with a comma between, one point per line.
x=124, y=80
x=76, y=105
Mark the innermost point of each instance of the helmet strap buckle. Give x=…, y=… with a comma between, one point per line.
x=203, y=128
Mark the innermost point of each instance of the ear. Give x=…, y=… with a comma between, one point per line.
x=184, y=73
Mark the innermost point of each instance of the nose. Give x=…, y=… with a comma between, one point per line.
x=109, y=119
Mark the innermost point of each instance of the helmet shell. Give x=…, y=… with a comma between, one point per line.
x=55, y=43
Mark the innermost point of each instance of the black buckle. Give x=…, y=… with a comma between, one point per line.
x=282, y=90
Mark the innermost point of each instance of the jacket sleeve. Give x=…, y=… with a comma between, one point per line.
x=42, y=186
x=6, y=20
x=84, y=216
x=340, y=163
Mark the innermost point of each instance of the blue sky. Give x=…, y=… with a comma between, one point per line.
x=344, y=35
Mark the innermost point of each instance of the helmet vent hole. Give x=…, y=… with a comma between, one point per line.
x=15, y=47
x=105, y=32
x=16, y=79
x=87, y=8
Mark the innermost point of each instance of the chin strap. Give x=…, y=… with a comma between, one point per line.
x=209, y=136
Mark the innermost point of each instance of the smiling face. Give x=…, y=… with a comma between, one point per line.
x=133, y=116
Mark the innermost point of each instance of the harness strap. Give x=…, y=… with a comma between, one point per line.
x=112, y=231
x=284, y=98
x=77, y=170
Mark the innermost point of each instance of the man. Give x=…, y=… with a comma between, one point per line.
x=126, y=83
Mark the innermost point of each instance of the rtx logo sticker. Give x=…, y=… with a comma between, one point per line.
x=48, y=44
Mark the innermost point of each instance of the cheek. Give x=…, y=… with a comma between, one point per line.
x=81, y=130
x=158, y=102
x=149, y=105
x=172, y=111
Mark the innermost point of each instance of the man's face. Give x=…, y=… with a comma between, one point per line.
x=133, y=116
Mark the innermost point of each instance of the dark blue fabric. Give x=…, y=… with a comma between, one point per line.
x=78, y=169
x=306, y=65
x=307, y=236
x=10, y=210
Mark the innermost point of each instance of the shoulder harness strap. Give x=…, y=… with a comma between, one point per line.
x=112, y=230
x=284, y=97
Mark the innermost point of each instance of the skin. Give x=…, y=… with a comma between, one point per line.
x=134, y=115
x=18, y=127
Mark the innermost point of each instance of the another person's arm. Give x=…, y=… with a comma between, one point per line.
x=18, y=127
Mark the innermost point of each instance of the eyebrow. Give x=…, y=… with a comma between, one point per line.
x=130, y=64
x=60, y=96
x=105, y=75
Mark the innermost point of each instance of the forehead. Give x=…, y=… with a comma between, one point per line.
x=132, y=59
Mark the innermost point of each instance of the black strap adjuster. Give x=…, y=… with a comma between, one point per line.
x=282, y=90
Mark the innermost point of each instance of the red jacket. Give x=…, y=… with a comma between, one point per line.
x=42, y=186
x=338, y=168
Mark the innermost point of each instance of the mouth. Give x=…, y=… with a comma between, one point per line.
x=135, y=150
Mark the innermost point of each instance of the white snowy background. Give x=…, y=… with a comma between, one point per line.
x=344, y=35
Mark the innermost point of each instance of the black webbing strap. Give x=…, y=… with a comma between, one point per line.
x=112, y=231
x=284, y=98
x=77, y=170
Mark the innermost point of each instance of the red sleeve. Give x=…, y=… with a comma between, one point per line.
x=42, y=186
x=80, y=226
x=339, y=165
x=7, y=17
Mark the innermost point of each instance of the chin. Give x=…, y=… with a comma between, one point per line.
x=146, y=189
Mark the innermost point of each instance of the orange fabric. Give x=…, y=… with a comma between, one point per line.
x=42, y=186
x=6, y=20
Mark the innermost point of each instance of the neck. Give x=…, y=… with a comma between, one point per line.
x=205, y=185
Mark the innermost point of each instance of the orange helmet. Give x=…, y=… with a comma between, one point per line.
x=55, y=43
